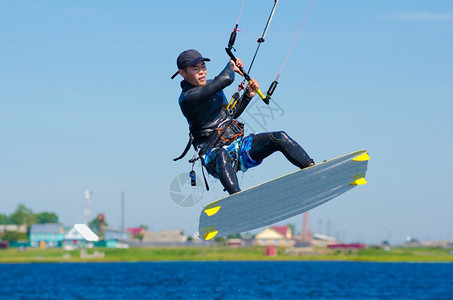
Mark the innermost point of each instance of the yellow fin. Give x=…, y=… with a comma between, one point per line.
x=359, y=181
x=210, y=235
x=362, y=157
x=212, y=211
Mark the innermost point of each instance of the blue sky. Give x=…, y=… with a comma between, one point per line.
x=86, y=102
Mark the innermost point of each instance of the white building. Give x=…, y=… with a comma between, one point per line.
x=280, y=236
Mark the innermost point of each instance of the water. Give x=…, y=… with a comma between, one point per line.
x=227, y=280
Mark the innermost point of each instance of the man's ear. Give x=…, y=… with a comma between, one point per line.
x=182, y=72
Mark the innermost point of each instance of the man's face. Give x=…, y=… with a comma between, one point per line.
x=195, y=75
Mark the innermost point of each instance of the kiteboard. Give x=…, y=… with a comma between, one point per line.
x=283, y=197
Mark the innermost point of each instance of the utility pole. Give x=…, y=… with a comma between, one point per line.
x=88, y=195
x=306, y=230
x=123, y=217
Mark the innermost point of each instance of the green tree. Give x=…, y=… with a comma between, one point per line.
x=234, y=236
x=10, y=236
x=4, y=219
x=139, y=236
x=94, y=224
x=144, y=226
x=293, y=228
x=13, y=236
x=23, y=215
x=47, y=217
x=220, y=240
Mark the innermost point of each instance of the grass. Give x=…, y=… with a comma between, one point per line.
x=155, y=254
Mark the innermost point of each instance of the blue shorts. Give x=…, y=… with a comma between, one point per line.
x=239, y=152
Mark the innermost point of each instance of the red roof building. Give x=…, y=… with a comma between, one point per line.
x=136, y=231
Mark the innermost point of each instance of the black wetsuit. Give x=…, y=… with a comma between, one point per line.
x=205, y=108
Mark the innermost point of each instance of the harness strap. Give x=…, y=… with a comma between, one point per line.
x=186, y=149
x=213, y=139
x=204, y=177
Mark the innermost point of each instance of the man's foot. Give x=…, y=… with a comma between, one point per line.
x=309, y=165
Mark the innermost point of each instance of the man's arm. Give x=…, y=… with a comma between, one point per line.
x=242, y=103
x=221, y=81
x=250, y=92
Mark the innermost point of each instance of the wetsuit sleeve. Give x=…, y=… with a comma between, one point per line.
x=241, y=105
x=201, y=93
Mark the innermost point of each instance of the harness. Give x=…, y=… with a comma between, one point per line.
x=226, y=132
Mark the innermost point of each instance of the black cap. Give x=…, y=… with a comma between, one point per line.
x=189, y=58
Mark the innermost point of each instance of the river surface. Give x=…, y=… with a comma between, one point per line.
x=227, y=280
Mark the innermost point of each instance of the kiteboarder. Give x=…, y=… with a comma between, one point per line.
x=215, y=133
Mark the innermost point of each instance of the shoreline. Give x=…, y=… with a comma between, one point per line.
x=219, y=254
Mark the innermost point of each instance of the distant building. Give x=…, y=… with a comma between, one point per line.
x=116, y=234
x=136, y=232
x=18, y=228
x=165, y=236
x=46, y=235
x=320, y=240
x=248, y=240
x=415, y=243
x=275, y=236
x=235, y=243
x=352, y=246
x=73, y=239
x=412, y=242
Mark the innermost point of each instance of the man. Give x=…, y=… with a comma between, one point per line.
x=216, y=135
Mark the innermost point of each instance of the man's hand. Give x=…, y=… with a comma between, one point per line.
x=237, y=65
x=253, y=84
x=251, y=88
